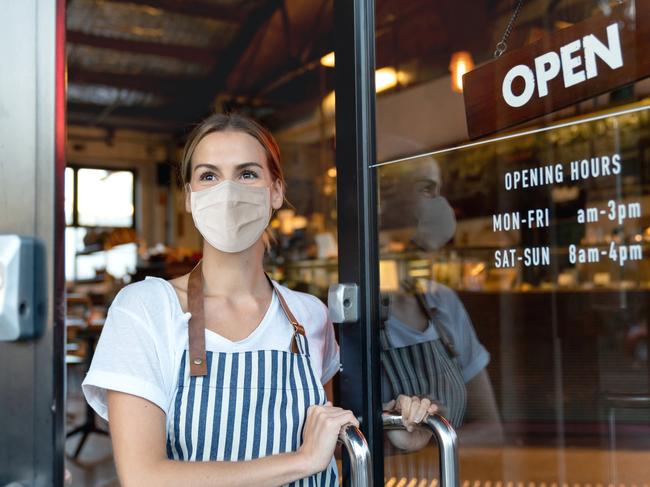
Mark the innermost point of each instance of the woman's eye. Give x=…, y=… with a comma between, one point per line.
x=207, y=176
x=429, y=189
x=249, y=174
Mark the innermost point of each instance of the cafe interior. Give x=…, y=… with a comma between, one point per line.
x=568, y=342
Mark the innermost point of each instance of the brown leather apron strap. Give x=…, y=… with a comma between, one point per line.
x=196, y=325
x=297, y=327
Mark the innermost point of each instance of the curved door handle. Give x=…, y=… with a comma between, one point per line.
x=447, y=444
x=359, y=454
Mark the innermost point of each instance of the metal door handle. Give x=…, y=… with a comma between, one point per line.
x=359, y=454
x=446, y=437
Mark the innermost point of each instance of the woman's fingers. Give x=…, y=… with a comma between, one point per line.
x=345, y=419
x=390, y=405
x=425, y=405
x=414, y=410
x=433, y=409
x=333, y=413
x=409, y=410
x=403, y=403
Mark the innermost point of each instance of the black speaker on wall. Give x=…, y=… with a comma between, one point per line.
x=164, y=173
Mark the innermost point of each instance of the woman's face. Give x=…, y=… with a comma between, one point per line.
x=234, y=156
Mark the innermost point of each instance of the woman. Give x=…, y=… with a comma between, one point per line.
x=216, y=377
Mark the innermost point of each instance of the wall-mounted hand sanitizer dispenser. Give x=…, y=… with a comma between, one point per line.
x=23, y=288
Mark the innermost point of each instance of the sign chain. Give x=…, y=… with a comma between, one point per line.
x=502, y=44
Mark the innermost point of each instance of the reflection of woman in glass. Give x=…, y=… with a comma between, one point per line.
x=430, y=351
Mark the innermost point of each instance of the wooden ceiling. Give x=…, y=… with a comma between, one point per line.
x=162, y=65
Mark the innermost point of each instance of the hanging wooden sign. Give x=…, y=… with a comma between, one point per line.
x=574, y=64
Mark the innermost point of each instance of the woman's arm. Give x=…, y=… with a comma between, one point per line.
x=137, y=429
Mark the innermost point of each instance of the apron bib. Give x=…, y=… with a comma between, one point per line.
x=426, y=369
x=242, y=405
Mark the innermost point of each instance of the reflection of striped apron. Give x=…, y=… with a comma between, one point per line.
x=426, y=369
x=242, y=405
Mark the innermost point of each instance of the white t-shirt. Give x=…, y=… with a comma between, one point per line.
x=145, y=334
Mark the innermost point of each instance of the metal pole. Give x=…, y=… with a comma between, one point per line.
x=359, y=456
x=446, y=438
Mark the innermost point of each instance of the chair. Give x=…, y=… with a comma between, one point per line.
x=82, y=328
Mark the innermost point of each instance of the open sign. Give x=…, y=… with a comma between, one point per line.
x=576, y=60
x=571, y=65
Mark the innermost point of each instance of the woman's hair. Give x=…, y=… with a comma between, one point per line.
x=220, y=122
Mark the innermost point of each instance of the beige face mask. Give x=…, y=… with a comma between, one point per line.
x=231, y=216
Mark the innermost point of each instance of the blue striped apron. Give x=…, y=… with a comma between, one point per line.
x=242, y=405
x=428, y=369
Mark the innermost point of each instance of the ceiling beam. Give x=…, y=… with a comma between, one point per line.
x=186, y=53
x=157, y=85
x=307, y=58
x=152, y=119
x=194, y=8
x=187, y=104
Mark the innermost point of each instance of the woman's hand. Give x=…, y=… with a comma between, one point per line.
x=320, y=434
x=413, y=410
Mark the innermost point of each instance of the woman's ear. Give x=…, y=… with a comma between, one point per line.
x=188, y=201
x=277, y=195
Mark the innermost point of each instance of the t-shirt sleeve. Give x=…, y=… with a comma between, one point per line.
x=331, y=354
x=128, y=356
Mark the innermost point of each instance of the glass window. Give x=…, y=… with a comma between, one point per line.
x=100, y=218
x=105, y=198
x=69, y=195
x=529, y=248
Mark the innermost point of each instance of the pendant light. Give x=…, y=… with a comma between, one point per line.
x=461, y=63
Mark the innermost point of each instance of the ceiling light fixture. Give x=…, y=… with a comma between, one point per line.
x=461, y=63
x=328, y=60
x=385, y=79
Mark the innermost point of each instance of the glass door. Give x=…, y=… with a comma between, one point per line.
x=514, y=267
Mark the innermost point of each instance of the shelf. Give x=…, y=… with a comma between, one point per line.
x=95, y=248
x=91, y=249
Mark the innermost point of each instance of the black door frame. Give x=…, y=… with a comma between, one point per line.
x=354, y=29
